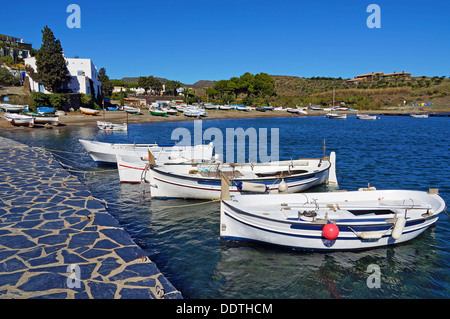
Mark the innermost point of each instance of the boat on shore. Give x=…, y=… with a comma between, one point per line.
x=336, y=116
x=132, y=110
x=366, y=117
x=43, y=118
x=102, y=152
x=193, y=111
x=46, y=110
x=352, y=220
x=172, y=111
x=108, y=126
x=203, y=180
x=19, y=119
x=13, y=108
x=158, y=112
x=89, y=111
x=211, y=107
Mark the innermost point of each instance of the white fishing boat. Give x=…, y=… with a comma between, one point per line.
x=136, y=169
x=132, y=110
x=102, y=152
x=419, y=116
x=337, y=116
x=366, y=117
x=43, y=118
x=108, y=126
x=13, y=108
x=202, y=180
x=171, y=111
x=19, y=119
x=329, y=220
x=225, y=107
x=211, y=107
x=193, y=111
x=242, y=108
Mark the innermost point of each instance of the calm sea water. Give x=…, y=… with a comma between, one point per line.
x=393, y=152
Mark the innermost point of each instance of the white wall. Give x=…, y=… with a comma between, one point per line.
x=79, y=71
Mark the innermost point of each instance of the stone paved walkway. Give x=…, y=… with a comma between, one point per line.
x=57, y=241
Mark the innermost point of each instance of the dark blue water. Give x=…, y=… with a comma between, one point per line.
x=183, y=239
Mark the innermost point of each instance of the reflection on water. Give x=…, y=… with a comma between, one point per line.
x=182, y=236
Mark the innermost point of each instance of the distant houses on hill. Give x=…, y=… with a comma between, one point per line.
x=375, y=76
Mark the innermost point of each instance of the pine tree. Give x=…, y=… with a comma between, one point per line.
x=50, y=63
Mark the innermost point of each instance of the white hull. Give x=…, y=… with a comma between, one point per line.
x=203, y=181
x=336, y=116
x=106, y=152
x=18, y=119
x=366, y=117
x=419, y=116
x=132, y=110
x=13, y=108
x=278, y=221
x=108, y=126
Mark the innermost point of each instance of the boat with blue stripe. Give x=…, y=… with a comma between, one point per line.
x=361, y=219
x=203, y=180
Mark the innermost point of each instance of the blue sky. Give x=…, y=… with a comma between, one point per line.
x=218, y=39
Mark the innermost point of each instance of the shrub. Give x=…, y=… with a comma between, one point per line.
x=58, y=100
x=40, y=99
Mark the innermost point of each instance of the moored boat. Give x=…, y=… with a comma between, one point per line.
x=202, y=180
x=102, y=152
x=108, y=126
x=419, y=116
x=136, y=169
x=366, y=117
x=337, y=116
x=329, y=220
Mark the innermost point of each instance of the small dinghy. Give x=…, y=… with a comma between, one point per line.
x=336, y=116
x=361, y=219
x=89, y=111
x=108, y=126
x=366, y=117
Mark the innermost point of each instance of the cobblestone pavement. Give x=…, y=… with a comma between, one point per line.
x=57, y=241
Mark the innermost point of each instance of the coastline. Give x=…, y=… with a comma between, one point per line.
x=78, y=119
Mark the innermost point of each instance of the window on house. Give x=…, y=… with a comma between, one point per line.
x=80, y=73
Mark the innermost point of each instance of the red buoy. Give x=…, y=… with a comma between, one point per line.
x=330, y=231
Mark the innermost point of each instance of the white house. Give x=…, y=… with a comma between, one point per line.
x=80, y=71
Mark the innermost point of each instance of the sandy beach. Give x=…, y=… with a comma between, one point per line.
x=74, y=119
